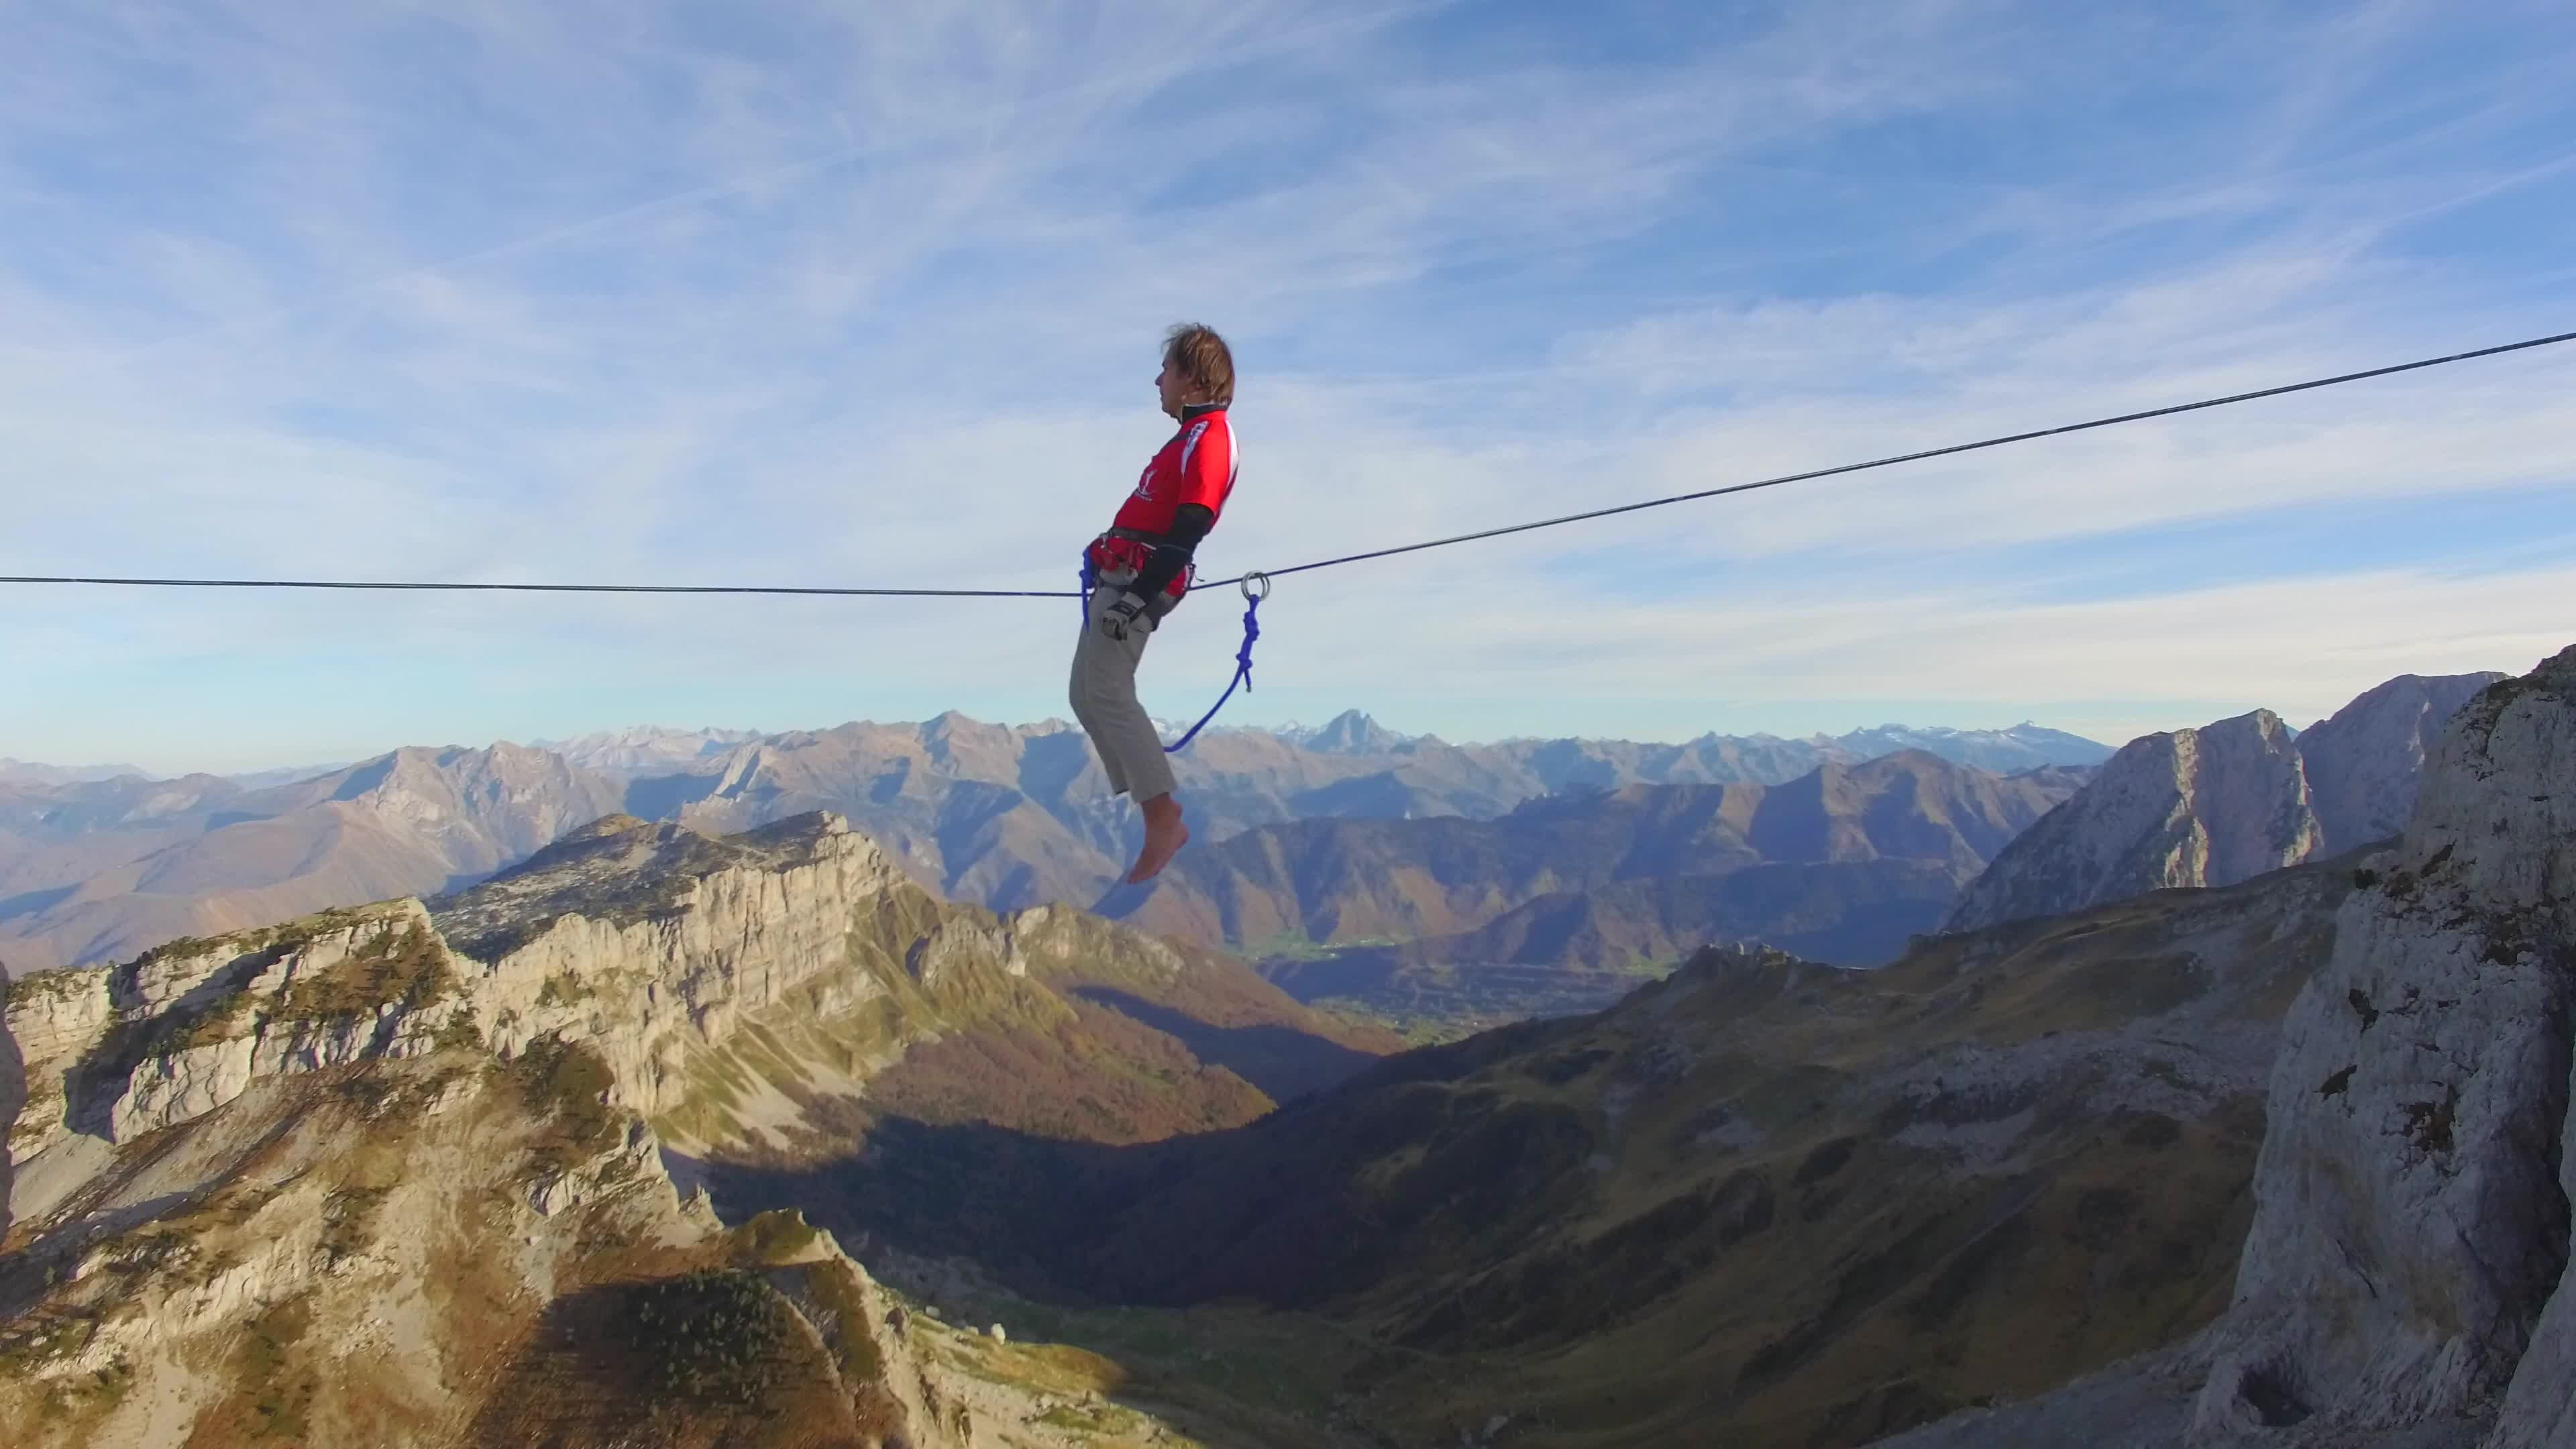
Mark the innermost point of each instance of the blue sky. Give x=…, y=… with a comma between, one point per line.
x=840, y=293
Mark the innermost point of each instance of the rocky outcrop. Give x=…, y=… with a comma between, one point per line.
x=2365, y=762
x=426, y=1254
x=648, y=942
x=2216, y=805
x=662, y=950
x=182, y=1031
x=2205, y=807
x=299, y=1136
x=13, y=1096
x=2411, y=1219
x=652, y=941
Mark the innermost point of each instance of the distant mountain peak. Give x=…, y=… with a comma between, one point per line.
x=2022, y=747
x=639, y=750
x=1353, y=732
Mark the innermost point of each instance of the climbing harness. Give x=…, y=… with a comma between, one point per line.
x=1242, y=657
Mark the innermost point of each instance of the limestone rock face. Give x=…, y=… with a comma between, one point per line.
x=13, y=1097
x=648, y=941
x=652, y=945
x=2540, y=1406
x=403, y=1240
x=2205, y=807
x=335, y=1164
x=2411, y=1219
x=184, y=1030
x=2365, y=763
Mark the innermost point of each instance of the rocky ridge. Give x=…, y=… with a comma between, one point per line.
x=2411, y=1222
x=627, y=975
x=2402, y=1276
x=1327, y=881
x=2208, y=806
x=449, y=1249
x=647, y=977
x=2222, y=803
x=654, y=945
x=2365, y=762
x=95, y=870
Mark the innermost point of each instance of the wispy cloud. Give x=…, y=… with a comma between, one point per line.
x=809, y=293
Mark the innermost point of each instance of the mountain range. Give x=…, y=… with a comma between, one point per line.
x=27, y=773
x=95, y=870
x=99, y=870
x=1843, y=864
x=661, y=1135
x=2226, y=802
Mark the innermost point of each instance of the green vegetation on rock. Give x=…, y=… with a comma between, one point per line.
x=565, y=1085
x=836, y=1289
x=715, y=1336
x=410, y=969
x=780, y=1235
x=47, y=985
x=274, y=1378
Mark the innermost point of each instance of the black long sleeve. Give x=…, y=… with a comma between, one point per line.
x=1190, y=523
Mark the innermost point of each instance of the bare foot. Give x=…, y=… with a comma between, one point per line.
x=1164, y=837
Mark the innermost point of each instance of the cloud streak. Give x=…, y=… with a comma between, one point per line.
x=823, y=294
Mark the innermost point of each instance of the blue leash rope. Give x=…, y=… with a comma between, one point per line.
x=1242, y=657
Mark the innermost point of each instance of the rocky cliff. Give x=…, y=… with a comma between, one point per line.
x=2402, y=1275
x=2203, y=807
x=654, y=945
x=13, y=1099
x=2364, y=763
x=450, y=1250
x=2411, y=1224
x=2219, y=804
x=399, y=1171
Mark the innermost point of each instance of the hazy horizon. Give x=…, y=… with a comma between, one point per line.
x=172, y=765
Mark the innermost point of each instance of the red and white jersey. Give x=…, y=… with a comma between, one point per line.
x=1196, y=466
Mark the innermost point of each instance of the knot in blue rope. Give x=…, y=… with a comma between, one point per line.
x=1242, y=667
x=1242, y=657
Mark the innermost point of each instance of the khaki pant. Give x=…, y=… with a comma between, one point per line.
x=1104, y=698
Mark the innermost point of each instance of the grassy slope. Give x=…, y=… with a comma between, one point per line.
x=1708, y=1212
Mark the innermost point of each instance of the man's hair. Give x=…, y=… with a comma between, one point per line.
x=1202, y=357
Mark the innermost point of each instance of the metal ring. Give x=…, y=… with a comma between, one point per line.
x=1245, y=583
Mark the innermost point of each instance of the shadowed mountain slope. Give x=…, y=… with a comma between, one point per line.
x=1340, y=880
x=2403, y=1280
x=1762, y=1198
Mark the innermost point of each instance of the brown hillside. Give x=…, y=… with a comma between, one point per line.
x=1348, y=880
x=1764, y=1198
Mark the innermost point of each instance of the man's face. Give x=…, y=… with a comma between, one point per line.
x=1175, y=388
